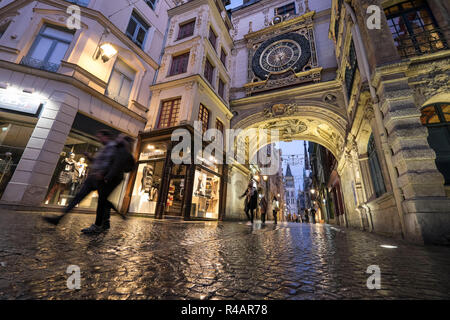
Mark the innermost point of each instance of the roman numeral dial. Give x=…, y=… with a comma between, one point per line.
x=290, y=51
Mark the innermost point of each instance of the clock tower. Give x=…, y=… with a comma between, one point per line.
x=277, y=44
x=282, y=54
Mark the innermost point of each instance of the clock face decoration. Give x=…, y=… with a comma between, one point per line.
x=280, y=54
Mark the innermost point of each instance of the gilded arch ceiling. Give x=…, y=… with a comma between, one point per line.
x=320, y=123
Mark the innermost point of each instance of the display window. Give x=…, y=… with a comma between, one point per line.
x=144, y=197
x=206, y=192
x=146, y=187
x=72, y=170
x=14, y=138
x=175, y=196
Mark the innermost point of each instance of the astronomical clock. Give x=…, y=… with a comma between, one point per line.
x=282, y=55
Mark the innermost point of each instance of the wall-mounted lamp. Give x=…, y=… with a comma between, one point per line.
x=106, y=51
x=313, y=191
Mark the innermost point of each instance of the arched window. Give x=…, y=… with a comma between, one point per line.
x=436, y=118
x=375, y=168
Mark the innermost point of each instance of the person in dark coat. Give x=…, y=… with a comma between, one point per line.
x=123, y=162
x=275, y=209
x=263, y=208
x=313, y=215
x=251, y=202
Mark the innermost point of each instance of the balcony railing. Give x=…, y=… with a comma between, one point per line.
x=122, y=100
x=421, y=43
x=39, y=64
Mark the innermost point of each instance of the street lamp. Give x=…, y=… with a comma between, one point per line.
x=106, y=51
x=313, y=191
x=265, y=178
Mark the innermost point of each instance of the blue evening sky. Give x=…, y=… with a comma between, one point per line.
x=234, y=4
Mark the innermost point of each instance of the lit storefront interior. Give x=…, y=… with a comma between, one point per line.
x=161, y=188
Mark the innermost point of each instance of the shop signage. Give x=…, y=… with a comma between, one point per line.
x=20, y=103
x=153, y=154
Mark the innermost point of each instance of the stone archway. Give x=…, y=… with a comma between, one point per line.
x=299, y=122
x=317, y=114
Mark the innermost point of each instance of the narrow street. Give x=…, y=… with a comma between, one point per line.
x=142, y=258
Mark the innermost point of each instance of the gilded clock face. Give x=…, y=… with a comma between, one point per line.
x=280, y=54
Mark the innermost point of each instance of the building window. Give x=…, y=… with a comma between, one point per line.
x=179, y=64
x=203, y=116
x=221, y=89
x=212, y=38
x=209, y=71
x=186, y=30
x=137, y=30
x=48, y=49
x=223, y=58
x=350, y=70
x=375, y=168
x=219, y=126
x=287, y=9
x=414, y=28
x=437, y=120
x=169, y=113
x=121, y=83
x=4, y=27
x=83, y=3
x=151, y=4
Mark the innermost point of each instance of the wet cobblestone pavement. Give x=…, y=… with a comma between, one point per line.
x=147, y=259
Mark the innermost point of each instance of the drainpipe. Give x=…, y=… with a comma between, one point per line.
x=379, y=119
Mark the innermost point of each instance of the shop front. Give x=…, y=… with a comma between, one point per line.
x=163, y=189
x=19, y=114
x=73, y=167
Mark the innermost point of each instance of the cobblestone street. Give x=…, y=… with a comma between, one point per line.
x=143, y=258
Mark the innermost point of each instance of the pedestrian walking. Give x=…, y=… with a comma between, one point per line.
x=101, y=165
x=306, y=216
x=313, y=215
x=275, y=208
x=251, y=202
x=122, y=162
x=263, y=208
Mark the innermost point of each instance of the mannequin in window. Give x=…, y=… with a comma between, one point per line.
x=147, y=178
x=79, y=175
x=199, y=190
x=64, y=180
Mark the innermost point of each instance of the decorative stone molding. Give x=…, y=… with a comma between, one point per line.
x=279, y=110
x=369, y=113
x=189, y=85
x=330, y=98
x=435, y=81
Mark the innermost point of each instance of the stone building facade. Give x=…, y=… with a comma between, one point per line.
x=59, y=84
x=376, y=98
